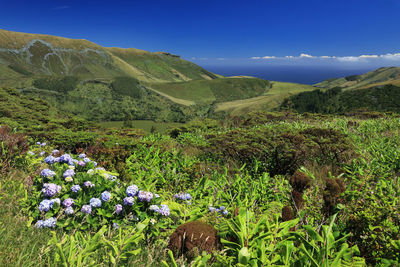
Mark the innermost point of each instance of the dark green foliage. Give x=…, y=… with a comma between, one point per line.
x=280, y=150
x=20, y=70
x=58, y=84
x=315, y=101
x=382, y=98
x=127, y=86
x=331, y=195
x=352, y=77
x=386, y=98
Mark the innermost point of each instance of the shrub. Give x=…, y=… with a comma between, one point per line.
x=191, y=238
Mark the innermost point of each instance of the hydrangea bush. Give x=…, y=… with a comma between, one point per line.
x=73, y=193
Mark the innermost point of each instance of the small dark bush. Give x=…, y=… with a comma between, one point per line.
x=300, y=181
x=191, y=238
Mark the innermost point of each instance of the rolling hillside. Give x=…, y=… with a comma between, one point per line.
x=382, y=76
x=81, y=78
x=23, y=54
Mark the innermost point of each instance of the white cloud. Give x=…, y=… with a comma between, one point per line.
x=305, y=55
x=327, y=57
x=395, y=56
x=269, y=57
x=255, y=58
x=349, y=59
x=368, y=56
x=289, y=57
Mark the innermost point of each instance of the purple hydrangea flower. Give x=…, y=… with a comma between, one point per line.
x=55, y=151
x=211, y=209
x=39, y=224
x=82, y=155
x=86, y=160
x=31, y=153
x=86, y=209
x=69, y=211
x=68, y=202
x=115, y=225
x=42, y=153
x=66, y=158
x=43, y=144
x=47, y=173
x=225, y=212
x=221, y=208
x=50, y=190
x=88, y=184
x=95, y=202
x=38, y=143
x=51, y=222
x=132, y=190
x=129, y=201
x=45, y=205
x=81, y=163
x=69, y=172
x=99, y=169
x=49, y=159
x=145, y=196
x=164, y=210
x=94, y=163
x=154, y=208
x=183, y=196
x=75, y=188
x=105, y=196
x=118, y=208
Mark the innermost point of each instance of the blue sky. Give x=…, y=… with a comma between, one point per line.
x=220, y=32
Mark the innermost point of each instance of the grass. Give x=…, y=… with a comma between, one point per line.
x=146, y=125
x=219, y=90
x=20, y=244
x=269, y=101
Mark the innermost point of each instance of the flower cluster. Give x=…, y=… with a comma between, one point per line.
x=129, y=201
x=132, y=190
x=88, y=184
x=50, y=190
x=145, y=196
x=95, y=202
x=47, y=173
x=105, y=196
x=72, y=194
x=69, y=173
x=76, y=188
x=183, y=196
x=163, y=210
x=68, y=202
x=222, y=210
x=49, y=223
x=51, y=160
x=47, y=204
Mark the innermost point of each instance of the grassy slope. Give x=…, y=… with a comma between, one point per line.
x=219, y=90
x=269, y=101
x=382, y=76
x=45, y=54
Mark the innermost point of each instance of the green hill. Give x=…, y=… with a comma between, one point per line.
x=382, y=76
x=81, y=78
x=25, y=54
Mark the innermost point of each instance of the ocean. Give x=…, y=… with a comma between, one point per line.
x=294, y=74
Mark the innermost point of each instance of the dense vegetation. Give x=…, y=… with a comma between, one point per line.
x=382, y=98
x=279, y=188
